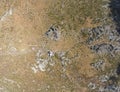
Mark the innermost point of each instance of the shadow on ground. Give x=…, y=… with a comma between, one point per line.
x=115, y=12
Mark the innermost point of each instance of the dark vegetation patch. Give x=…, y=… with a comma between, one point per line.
x=115, y=10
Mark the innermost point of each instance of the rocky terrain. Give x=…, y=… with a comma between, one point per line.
x=59, y=46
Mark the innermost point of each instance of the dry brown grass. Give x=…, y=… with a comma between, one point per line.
x=26, y=29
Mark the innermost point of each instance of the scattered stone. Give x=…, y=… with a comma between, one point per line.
x=103, y=48
x=101, y=89
x=42, y=64
x=95, y=34
x=104, y=78
x=99, y=65
x=111, y=88
x=53, y=33
x=116, y=49
x=92, y=85
x=51, y=62
x=113, y=73
x=44, y=58
x=50, y=53
x=110, y=34
x=64, y=60
x=34, y=69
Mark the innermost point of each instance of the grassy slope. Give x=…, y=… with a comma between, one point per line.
x=71, y=14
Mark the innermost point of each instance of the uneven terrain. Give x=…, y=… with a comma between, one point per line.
x=59, y=46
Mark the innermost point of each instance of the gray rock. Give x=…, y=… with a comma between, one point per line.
x=106, y=31
x=53, y=33
x=95, y=34
x=50, y=53
x=111, y=88
x=99, y=65
x=92, y=85
x=104, y=78
x=103, y=48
